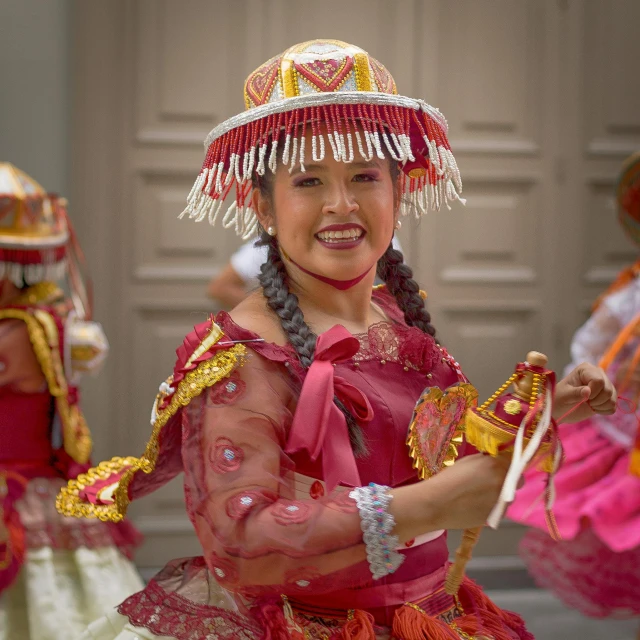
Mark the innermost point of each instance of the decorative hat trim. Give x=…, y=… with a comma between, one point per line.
x=31, y=274
x=323, y=99
x=409, y=131
x=17, y=241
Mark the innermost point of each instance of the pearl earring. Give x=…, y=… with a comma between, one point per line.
x=271, y=231
x=398, y=224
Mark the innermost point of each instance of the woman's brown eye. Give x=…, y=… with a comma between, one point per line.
x=308, y=182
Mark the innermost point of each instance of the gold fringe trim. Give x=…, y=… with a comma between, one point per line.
x=68, y=502
x=43, y=334
x=484, y=435
x=205, y=375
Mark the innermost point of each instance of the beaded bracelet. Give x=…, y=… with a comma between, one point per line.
x=377, y=525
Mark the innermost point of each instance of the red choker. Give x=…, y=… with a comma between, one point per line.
x=341, y=285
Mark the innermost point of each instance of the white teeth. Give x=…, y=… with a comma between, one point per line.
x=339, y=236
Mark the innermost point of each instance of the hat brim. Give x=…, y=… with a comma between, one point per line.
x=373, y=124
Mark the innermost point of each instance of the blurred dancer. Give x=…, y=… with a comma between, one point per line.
x=56, y=573
x=596, y=566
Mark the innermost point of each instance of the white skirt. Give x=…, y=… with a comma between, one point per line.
x=113, y=626
x=59, y=592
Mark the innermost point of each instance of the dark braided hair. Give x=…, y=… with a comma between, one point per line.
x=398, y=277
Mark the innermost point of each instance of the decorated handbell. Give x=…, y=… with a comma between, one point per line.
x=516, y=420
x=518, y=404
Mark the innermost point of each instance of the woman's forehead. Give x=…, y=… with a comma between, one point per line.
x=329, y=163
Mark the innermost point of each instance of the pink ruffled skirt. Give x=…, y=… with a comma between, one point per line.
x=595, y=568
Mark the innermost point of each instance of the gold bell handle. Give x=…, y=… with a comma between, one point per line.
x=524, y=386
x=456, y=572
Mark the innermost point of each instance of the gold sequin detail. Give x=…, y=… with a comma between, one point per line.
x=363, y=77
x=513, y=407
x=205, y=375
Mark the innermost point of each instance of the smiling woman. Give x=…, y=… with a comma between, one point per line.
x=289, y=416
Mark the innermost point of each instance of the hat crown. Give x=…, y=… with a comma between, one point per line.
x=316, y=66
x=28, y=214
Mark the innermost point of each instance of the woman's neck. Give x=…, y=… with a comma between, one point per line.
x=325, y=306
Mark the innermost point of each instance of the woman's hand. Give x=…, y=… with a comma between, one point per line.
x=459, y=497
x=472, y=487
x=585, y=382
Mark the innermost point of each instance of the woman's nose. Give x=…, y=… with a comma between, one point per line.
x=340, y=201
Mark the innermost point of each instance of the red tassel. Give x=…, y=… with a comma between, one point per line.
x=360, y=627
x=411, y=623
x=487, y=617
x=271, y=618
x=489, y=628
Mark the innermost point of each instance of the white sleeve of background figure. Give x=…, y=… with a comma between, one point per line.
x=247, y=260
x=593, y=338
x=396, y=243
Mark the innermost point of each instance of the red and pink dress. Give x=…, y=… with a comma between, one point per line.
x=282, y=554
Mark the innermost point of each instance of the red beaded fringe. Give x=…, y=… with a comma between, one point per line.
x=411, y=137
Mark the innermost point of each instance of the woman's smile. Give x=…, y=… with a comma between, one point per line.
x=341, y=236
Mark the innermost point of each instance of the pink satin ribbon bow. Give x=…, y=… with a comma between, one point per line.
x=318, y=425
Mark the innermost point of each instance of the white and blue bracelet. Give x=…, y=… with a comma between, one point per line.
x=377, y=525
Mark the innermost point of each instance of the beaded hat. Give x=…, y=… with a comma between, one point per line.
x=38, y=244
x=628, y=197
x=348, y=101
x=33, y=229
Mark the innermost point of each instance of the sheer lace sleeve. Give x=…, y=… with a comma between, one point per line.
x=253, y=511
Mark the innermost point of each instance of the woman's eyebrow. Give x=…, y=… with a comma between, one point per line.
x=307, y=167
x=363, y=164
x=372, y=164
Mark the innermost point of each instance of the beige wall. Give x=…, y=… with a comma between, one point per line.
x=543, y=106
x=35, y=97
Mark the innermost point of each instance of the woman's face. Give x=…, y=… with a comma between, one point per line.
x=335, y=219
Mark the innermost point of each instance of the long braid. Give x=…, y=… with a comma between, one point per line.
x=398, y=277
x=274, y=281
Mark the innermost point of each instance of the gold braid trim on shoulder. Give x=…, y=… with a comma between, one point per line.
x=39, y=340
x=205, y=375
x=43, y=334
x=40, y=293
